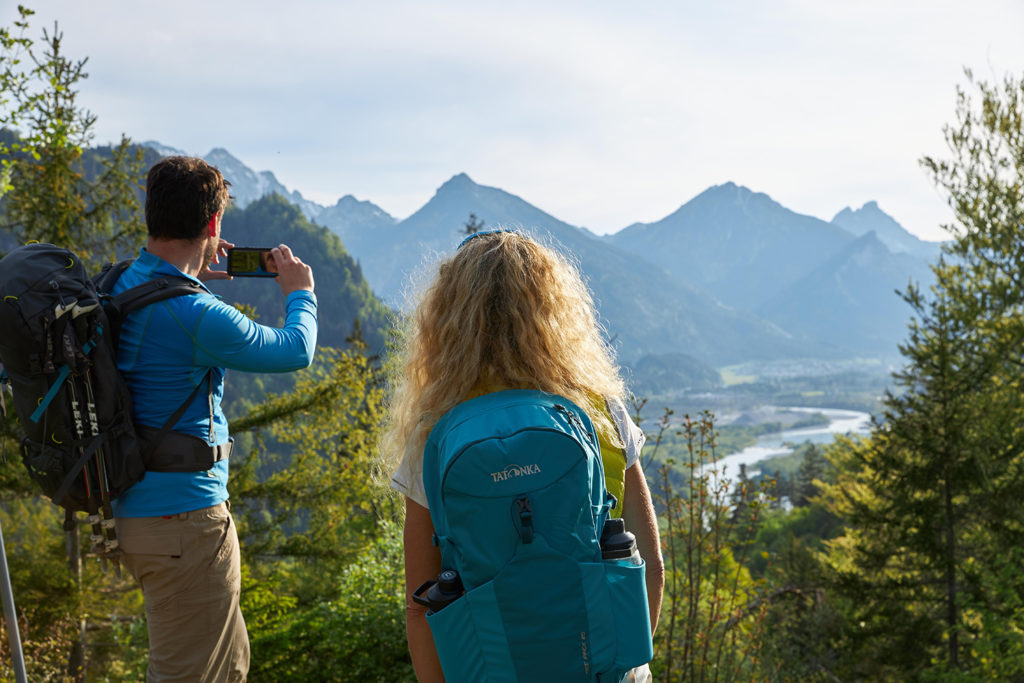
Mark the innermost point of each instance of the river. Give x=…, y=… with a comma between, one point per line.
x=775, y=444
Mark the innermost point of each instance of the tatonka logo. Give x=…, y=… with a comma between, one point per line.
x=515, y=471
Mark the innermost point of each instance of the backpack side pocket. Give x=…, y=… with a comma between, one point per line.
x=617, y=591
x=470, y=638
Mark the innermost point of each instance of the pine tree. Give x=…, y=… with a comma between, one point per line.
x=53, y=191
x=932, y=500
x=811, y=469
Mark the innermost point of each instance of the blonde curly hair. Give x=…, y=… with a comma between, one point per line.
x=503, y=312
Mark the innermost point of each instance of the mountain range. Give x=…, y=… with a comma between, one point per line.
x=730, y=276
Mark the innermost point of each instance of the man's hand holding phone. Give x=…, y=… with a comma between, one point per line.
x=292, y=274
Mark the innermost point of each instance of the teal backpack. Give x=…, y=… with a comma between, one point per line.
x=516, y=492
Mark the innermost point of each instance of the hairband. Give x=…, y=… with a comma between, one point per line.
x=485, y=232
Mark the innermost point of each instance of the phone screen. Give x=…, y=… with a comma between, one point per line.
x=250, y=262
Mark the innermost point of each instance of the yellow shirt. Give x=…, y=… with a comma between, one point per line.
x=613, y=460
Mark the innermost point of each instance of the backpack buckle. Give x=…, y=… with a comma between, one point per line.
x=522, y=507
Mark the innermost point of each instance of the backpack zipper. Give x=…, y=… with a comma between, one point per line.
x=574, y=420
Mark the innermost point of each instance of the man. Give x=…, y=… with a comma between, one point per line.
x=174, y=526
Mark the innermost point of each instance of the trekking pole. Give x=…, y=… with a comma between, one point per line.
x=75, y=358
x=91, y=492
x=111, y=545
x=107, y=523
x=11, y=616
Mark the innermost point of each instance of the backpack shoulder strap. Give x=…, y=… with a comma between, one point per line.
x=149, y=292
x=152, y=291
x=109, y=274
x=132, y=299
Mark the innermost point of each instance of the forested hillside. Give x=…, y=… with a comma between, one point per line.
x=343, y=294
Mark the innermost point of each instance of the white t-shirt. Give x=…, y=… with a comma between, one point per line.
x=408, y=479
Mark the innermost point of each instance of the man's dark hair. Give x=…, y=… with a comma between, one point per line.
x=182, y=196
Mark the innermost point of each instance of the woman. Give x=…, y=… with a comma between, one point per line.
x=505, y=312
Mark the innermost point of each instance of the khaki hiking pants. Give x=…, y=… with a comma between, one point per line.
x=189, y=568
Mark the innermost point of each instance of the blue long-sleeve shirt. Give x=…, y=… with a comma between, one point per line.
x=168, y=348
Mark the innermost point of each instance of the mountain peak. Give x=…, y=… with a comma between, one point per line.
x=162, y=149
x=869, y=210
x=728, y=188
x=355, y=220
x=220, y=153
x=871, y=217
x=733, y=193
x=350, y=204
x=458, y=181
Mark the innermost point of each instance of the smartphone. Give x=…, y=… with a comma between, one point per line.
x=250, y=262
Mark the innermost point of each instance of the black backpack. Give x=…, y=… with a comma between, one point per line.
x=59, y=354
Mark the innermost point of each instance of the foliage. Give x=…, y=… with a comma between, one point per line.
x=321, y=504
x=473, y=225
x=15, y=98
x=52, y=606
x=812, y=471
x=711, y=615
x=790, y=537
x=795, y=476
x=321, y=558
x=127, y=653
x=45, y=645
x=747, y=595
x=48, y=196
x=357, y=635
x=800, y=632
x=932, y=499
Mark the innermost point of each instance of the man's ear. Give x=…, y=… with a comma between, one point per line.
x=211, y=229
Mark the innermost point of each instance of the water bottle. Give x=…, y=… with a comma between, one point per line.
x=617, y=543
x=436, y=595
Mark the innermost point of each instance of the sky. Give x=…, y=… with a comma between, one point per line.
x=599, y=113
